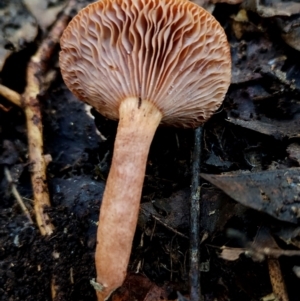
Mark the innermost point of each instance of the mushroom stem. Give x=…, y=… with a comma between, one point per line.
x=139, y=120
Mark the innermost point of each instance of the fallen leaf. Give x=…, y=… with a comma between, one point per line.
x=139, y=288
x=273, y=8
x=44, y=11
x=294, y=152
x=17, y=28
x=172, y=211
x=277, y=129
x=216, y=210
x=248, y=57
x=276, y=192
x=231, y=254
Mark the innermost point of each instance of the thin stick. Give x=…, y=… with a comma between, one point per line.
x=35, y=71
x=277, y=280
x=11, y=95
x=29, y=101
x=3, y=108
x=168, y=227
x=16, y=194
x=195, y=288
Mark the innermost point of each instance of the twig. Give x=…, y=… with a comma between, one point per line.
x=16, y=194
x=3, y=108
x=277, y=280
x=264, y=246
x=168, y=227
x=37, y=67
x=29, y=101
x=195, y=288
x=11, y=95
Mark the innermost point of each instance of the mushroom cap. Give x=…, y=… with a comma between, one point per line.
x=172, y=53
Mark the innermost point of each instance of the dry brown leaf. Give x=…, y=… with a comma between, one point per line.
x=231, y=254
x=44, y=13
x=139, y=288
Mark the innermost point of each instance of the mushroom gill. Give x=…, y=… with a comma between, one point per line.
x=172, y=53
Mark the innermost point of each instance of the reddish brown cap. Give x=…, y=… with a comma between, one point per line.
x=170, y=52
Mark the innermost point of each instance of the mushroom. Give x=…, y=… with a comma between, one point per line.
x=144, y=62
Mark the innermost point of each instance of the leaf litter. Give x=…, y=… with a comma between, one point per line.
x=250, y=152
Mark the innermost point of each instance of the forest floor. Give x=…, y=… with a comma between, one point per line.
x=250, y=174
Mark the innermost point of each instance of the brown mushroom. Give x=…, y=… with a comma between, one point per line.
x=144, y=62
